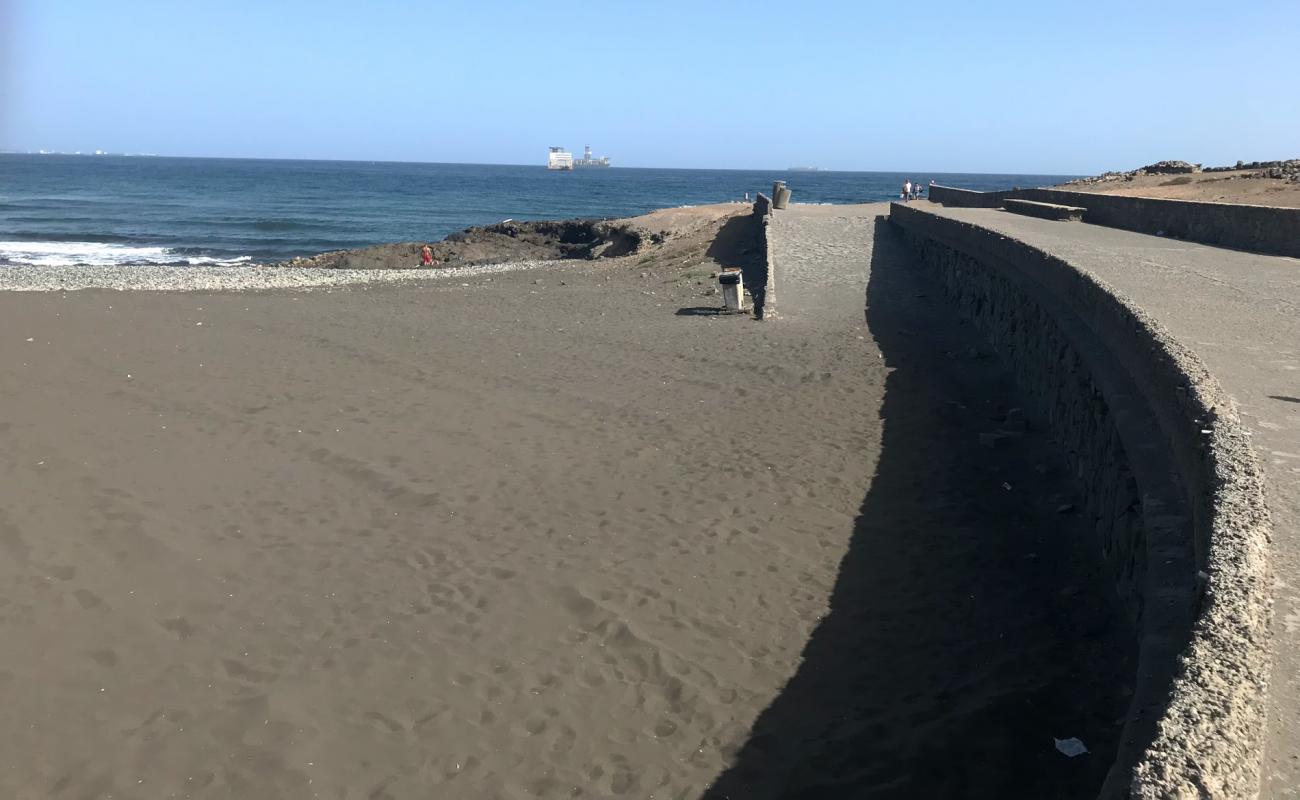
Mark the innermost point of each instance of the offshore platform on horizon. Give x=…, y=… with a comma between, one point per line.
x=560, y=159
x=588, y=160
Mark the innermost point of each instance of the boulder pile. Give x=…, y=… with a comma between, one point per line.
x=1288, y=170
x=1169, y=168
x=1158, y=168
x=1271, y=169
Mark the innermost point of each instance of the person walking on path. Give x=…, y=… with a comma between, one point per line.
x=426, y=256
x=907, y=191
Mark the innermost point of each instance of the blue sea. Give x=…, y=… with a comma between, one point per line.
x=65, y=209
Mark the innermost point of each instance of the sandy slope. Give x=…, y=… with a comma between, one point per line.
x=510, y=537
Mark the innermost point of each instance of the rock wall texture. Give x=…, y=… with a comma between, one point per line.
x=1263, y=229
x=765, y=297
x=965, y=198
x=1169, y=478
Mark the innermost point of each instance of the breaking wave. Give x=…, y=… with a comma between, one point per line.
x=64, y=254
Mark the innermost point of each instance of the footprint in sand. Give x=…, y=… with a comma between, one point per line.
x=179, y=626
x=88, y=599
x=104, y=658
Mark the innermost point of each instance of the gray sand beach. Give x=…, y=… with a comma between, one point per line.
x=560, y=532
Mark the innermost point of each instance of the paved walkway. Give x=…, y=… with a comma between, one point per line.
x=817, y=247
x=1240, y=312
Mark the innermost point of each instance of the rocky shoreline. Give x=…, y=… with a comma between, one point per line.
x=502, y=242
x=681, y=237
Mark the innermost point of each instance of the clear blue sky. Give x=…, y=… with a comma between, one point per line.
x=941, y=85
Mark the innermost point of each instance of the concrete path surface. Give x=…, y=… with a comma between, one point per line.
x=823, y=255
x=1240, y=312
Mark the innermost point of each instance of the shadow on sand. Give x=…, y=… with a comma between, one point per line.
x=970, y=625
x=739, y=244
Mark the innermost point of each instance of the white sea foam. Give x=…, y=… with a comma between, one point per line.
x=65, y=254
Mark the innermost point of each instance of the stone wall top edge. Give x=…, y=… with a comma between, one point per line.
x=1169, y=201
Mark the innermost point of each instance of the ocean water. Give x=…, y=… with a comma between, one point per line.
x=59, y=210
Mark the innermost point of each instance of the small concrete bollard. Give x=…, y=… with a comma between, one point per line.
x=733, y=289
x=782, y=198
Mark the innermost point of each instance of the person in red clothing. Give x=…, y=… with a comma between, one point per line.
x=426, y=256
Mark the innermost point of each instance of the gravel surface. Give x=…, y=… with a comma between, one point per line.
x=185, y=279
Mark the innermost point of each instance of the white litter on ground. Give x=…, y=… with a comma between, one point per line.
x=1070, y=747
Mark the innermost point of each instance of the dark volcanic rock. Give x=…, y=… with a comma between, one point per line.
x=502, y=242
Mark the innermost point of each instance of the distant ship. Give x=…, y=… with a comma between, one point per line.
x=805, y=169
x=588, y=160
x=561, y=159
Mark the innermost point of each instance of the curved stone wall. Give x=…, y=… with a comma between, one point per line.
x=1170, y=478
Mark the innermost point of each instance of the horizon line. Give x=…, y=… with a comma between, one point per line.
x=93, y=154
